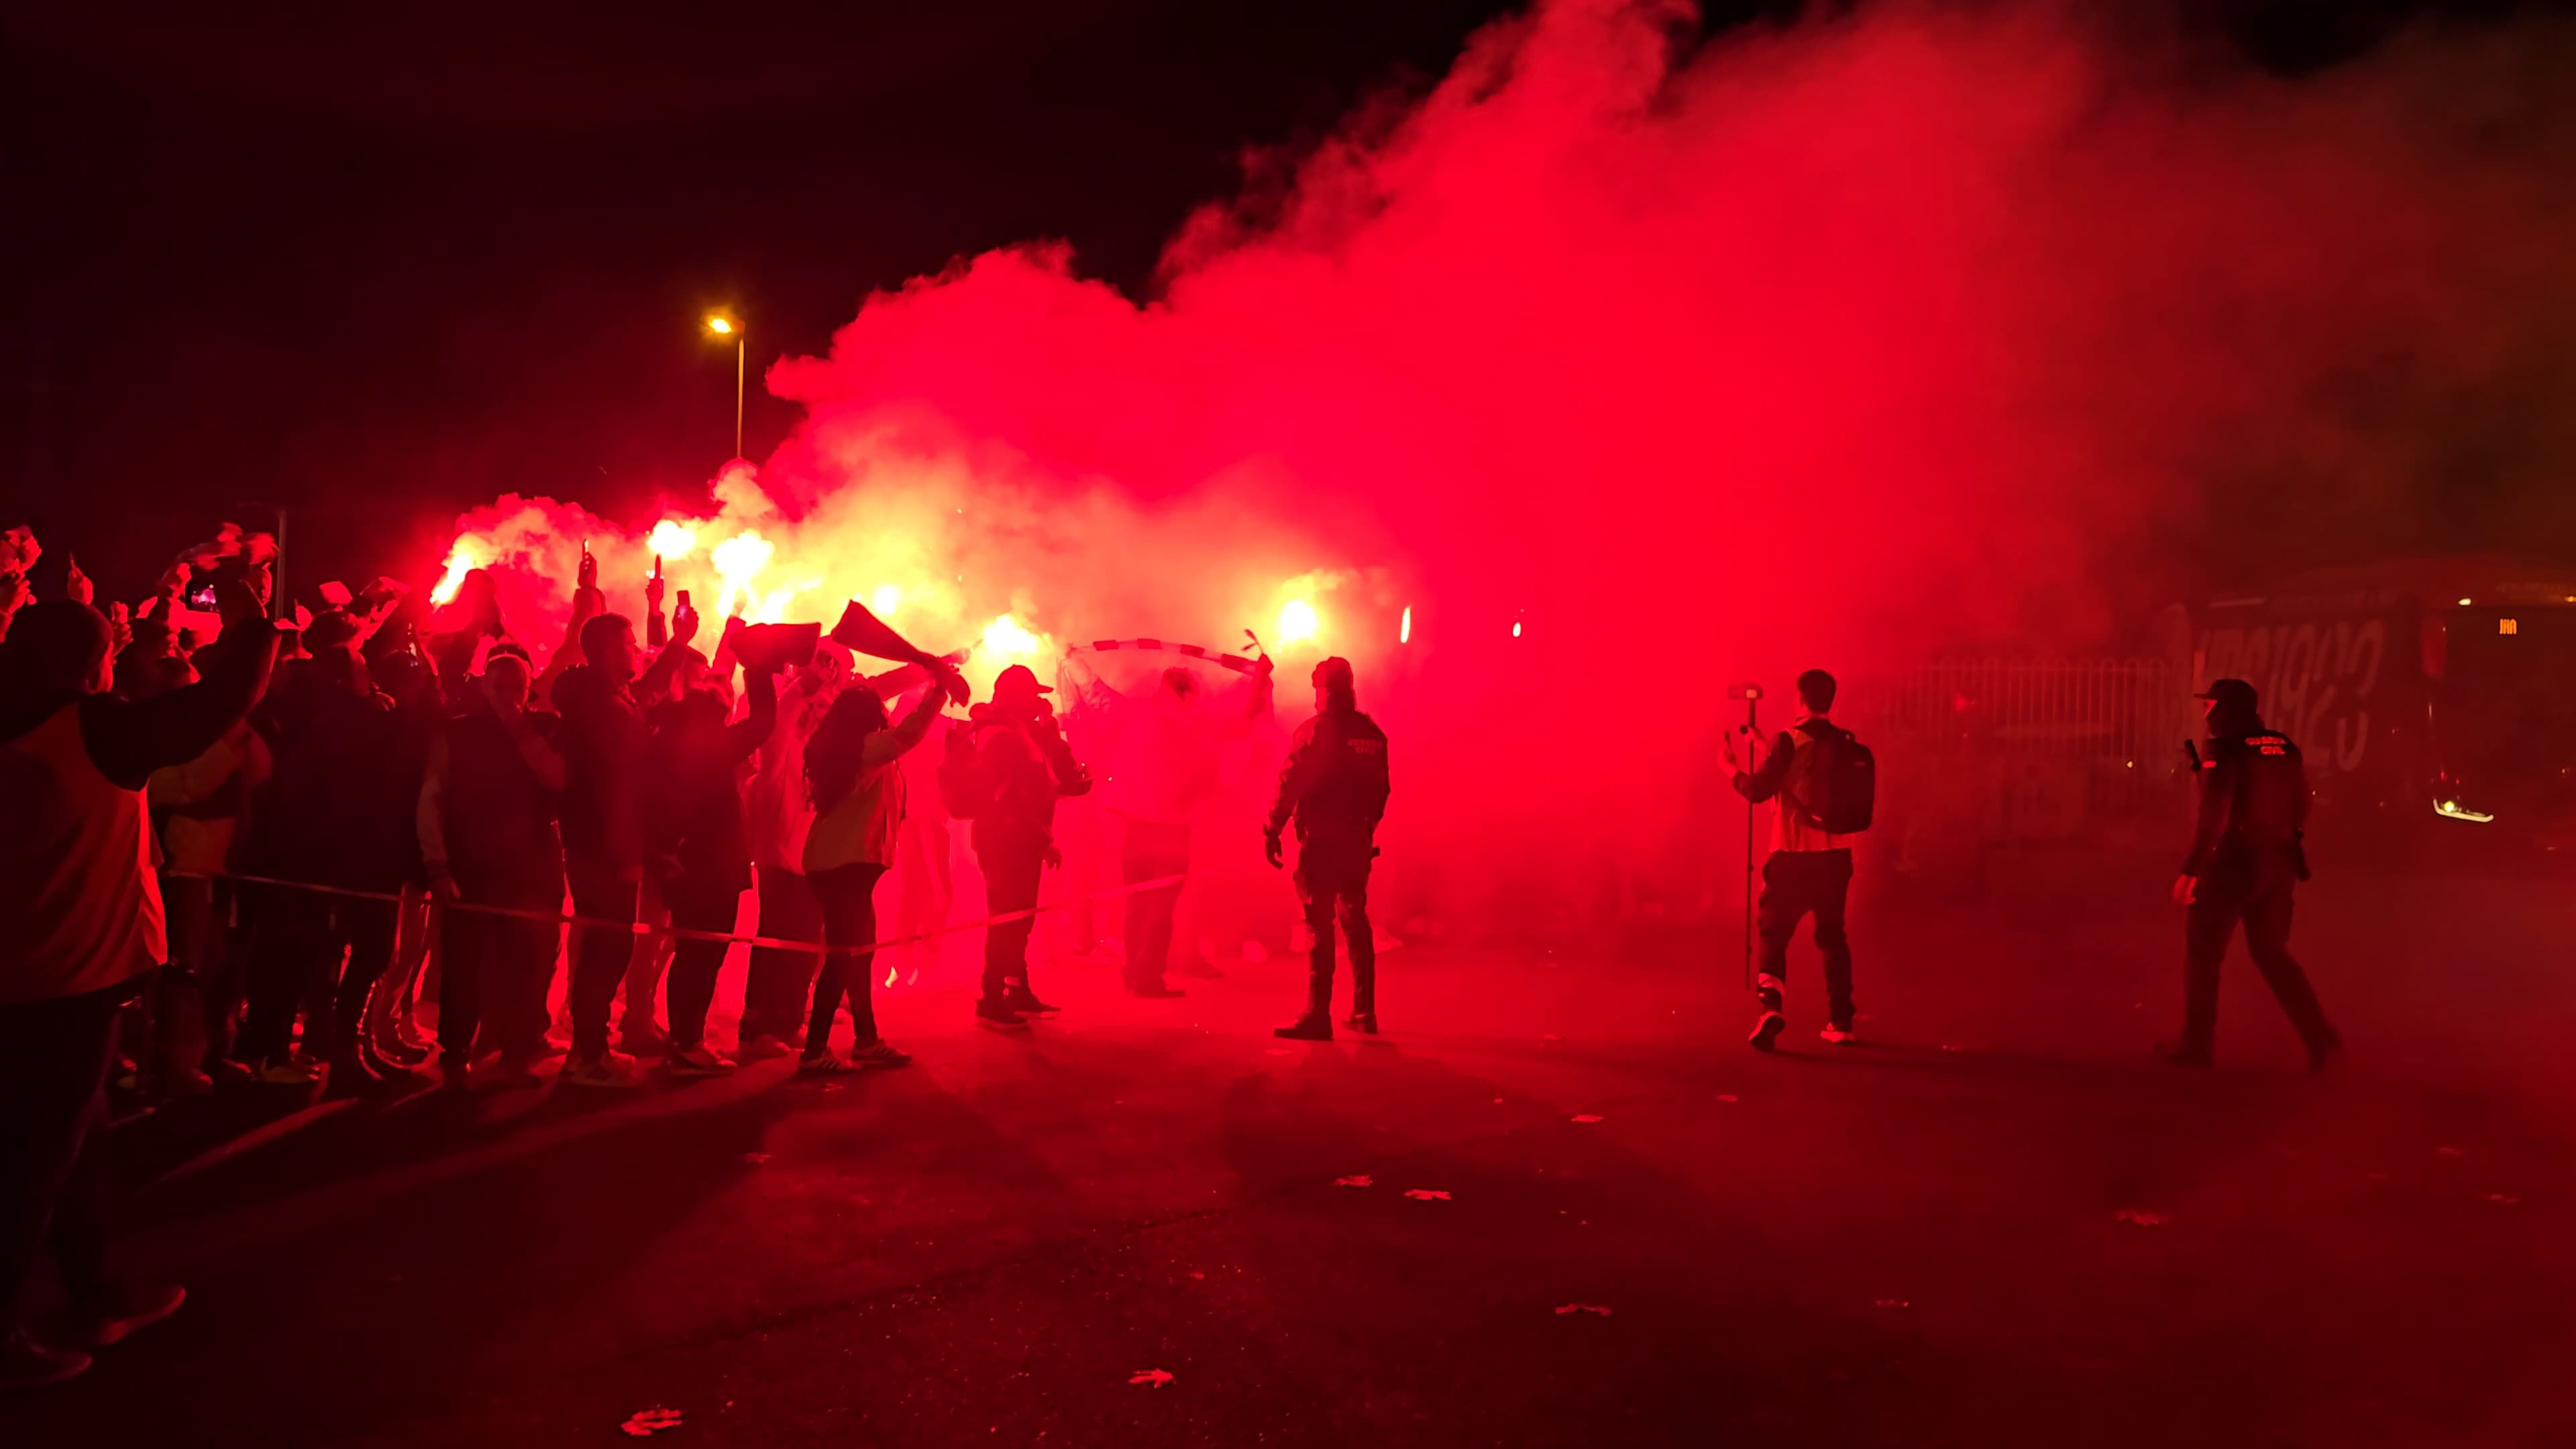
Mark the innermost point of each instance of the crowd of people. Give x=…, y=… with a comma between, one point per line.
x=247, y=842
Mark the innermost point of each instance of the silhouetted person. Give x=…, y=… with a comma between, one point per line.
x=486, y=821
x=603, y=742
x=1809, y=872
x=80, y=926
x=696, y=772
x=1025, y=765
x=1334, y=785
x=2246, y=861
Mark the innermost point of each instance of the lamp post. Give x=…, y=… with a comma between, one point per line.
x=720, y=326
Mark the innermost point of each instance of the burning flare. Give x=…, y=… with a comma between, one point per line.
x=1296, y=622
x=671, y=539
x=460, y=562
x=738, y=561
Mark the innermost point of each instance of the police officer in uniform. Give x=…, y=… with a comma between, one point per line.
x=2246, y=860
x=1335, y=786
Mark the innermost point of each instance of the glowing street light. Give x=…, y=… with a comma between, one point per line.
x=721, y=326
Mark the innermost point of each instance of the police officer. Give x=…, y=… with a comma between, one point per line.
x=1335, y=785
x=2246, y=859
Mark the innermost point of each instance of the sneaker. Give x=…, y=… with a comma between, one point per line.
x=695, y=1061
x=101, y=1325
x=286, y=1072
x=825, y=1063
x=880, y=1056
x=1363, y=1022
x=511, y=1070
x=1766, y=1032
x=1157, y=992
x=999, y=1016
x=642, y=1039
x=1839, y=1035
x=765, y=1049
x=1311, y=1027
x=1026, y=1003
x=608, y=1069
x=796, y=1038
x=27, y=1364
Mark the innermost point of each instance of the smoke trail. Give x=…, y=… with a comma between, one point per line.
x=1629, y=368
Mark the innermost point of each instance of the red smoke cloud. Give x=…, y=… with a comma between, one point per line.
x=1826, y=346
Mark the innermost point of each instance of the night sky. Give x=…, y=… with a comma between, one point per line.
x=384, y=262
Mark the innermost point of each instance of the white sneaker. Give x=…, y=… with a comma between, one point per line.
x=608, y=1069
x=764, y=1049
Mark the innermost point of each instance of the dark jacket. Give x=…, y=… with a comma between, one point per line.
x=1025, y=765
x=694, y=803
x=1334, y=783
x=2253, y=798
x=332, y=811
x=497, y=815
x=603, y=742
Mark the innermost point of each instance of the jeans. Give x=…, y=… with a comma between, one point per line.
x=1010, y=885
x=301, y=938
x=1798, y=883
x=1332, y=886
x=494, y=971
x=848, y=896
x=54, y=1059
x=599, y=953
x=1150, y=850
x=691, y=988
x=2255, y=887
x=775, y=993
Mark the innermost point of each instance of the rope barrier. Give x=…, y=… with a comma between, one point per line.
x=660, y=929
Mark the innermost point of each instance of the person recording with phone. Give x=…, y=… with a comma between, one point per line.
x=1807, y=774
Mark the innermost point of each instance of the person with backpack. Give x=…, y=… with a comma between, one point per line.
x=1822, y=783
x=2248, y=855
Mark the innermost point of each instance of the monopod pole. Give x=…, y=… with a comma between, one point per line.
x=1752, y=741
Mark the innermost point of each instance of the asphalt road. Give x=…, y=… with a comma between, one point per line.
x=1558, y=1203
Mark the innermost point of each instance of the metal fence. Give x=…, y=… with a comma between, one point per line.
x=1988, y=750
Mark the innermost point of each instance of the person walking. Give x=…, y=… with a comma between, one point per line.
x=2248, y=855
x=1809, y=872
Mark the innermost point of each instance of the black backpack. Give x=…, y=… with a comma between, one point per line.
x=1842, y=781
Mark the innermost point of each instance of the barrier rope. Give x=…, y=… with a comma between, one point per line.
x=661, y=929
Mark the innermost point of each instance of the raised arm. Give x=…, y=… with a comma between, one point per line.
x=130, y=740
x=745, y=736
x=1765, y=782
x=899, y=739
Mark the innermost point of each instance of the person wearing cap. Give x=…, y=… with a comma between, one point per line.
x=1024, y=765
x=1334, y=785
x=2246, y=860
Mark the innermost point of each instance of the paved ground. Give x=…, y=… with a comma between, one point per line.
x=1997, y=1225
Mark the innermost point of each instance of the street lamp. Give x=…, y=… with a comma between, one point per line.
x=721, y=326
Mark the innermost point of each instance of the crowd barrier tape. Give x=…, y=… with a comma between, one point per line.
x=664, y=928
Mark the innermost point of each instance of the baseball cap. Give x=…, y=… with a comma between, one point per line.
x=2235, y=693
x=1018, y=679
